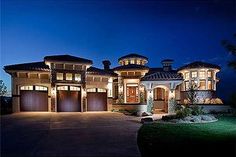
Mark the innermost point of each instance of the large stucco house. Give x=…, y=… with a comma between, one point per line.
x=65, y=83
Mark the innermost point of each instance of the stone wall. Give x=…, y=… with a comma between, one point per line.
x=130, y=107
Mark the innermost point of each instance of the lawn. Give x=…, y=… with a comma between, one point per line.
x=189, y=139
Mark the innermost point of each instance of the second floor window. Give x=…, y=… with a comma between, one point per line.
x=68, y=76
x=202, y=74
x=77, y=77
x=187, y=75
x=194, y=74
x=59, y=76
x=209, y=74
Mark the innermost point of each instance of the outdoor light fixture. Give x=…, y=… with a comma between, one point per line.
x=53, y=91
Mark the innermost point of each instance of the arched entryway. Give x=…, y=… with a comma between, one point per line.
x=160, y=99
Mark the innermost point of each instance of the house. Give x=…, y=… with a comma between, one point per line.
x=65, y=83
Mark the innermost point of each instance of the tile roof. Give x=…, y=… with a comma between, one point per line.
x=97, y=71
x=131, y=67
x=34, y=66
x=68, y=58
x=132, y=55
x=199, y=64
x=157, y=74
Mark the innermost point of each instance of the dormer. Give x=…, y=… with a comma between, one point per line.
x=133, y=59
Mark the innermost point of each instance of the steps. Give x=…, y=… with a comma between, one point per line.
x=159, y=111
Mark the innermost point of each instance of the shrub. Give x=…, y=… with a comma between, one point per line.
x=184, y=112
x=197, y=110
x=168, y=117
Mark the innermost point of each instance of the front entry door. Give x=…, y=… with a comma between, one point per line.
x=131, y=94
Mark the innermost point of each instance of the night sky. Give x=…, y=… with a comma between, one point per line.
x=182, y=30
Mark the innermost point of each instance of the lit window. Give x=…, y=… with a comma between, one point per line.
x=187, y=75
x=62, y=88
x=187, y=85
x=138, y=62
x=101, y=90
x=132, y=61
x=194, y=74
x=59, y=76
x=77, y=77
x=202, y=85
x=74, y=88
x=209, y=74
x=26, y=88
x=202, y=74
x=91, y=90
x=41, y=88
x=126, y=62
x=68, y=76
x=209, y=85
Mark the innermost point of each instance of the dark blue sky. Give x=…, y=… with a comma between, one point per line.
x=182, y=30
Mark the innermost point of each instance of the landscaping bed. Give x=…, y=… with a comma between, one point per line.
x=189, y=139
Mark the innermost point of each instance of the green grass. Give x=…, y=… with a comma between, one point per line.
x=216, y=136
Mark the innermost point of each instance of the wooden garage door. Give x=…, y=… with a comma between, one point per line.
x=68, y=99
x=33, y=99
x=97, y=99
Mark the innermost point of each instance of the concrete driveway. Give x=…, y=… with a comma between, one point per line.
x=69, y=134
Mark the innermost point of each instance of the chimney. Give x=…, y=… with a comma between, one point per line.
x=106, y=64
x=167, y=64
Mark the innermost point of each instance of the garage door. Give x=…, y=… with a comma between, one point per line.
x=97, y=99
x=33, y=98
x=68, y=99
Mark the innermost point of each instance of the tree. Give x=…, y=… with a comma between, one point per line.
x=3, y=88
x=231, y=48
x=192, y=94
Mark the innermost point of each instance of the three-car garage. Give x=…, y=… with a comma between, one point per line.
x=68, y=99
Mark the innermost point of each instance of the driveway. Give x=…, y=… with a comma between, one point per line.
x=69, y=134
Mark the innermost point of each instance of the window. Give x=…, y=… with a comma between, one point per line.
x=209, y=74
x=77, y=77
x=33, y=75
x=89, y=78
x=23, y=75
x=130, y=73
x=187, y=75
x=96, y=79
x=91, y=90
x=59, y=66
x=159, y=94
x=126, y=62
x=138, y=62
x=123, y=73
x=41, y=88
x=132, y=61
x=202, y=85
x=62, y=88
x=69, y=66
x=26, y=88
x=194, y=74
x=202, y=74
x=101, y=90
x=186, y=85
x=78, y=67
x=104, y=79
x=44, y=76
x=74, y=88
x=209, y=85
x=68, y=76
x=59, y=76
